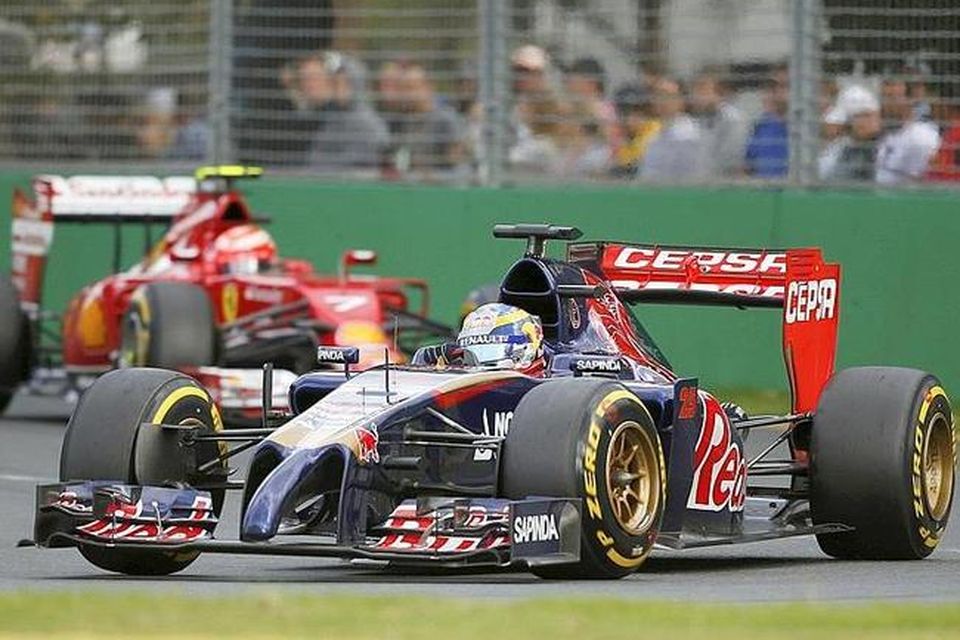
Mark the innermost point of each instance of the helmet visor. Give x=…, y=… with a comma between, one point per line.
x=488, y=351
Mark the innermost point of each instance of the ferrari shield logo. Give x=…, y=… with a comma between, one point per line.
x=229, y=302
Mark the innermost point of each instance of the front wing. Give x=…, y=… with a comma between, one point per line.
x=427, y=531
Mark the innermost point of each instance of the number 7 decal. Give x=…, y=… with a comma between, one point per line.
x=344, y=302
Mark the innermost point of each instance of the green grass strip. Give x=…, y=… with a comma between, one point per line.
x=289, y=615
x=756, y=401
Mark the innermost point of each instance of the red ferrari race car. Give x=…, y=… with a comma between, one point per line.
x=553, y=434
x=212, y=296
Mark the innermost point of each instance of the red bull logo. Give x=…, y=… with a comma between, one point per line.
x=367, y=441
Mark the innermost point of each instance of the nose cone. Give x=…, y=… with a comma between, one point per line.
x=279, y=489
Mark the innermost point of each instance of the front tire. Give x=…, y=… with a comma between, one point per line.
x=882, y=458
x=595, y=440
x=168, y=324
x=101, y=439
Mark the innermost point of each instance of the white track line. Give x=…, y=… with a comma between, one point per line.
x=15, y=477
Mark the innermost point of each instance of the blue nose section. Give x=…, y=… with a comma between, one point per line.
x=262, y=518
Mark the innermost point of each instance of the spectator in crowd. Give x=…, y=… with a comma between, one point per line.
x=945, y=166
x=157, y=124
x=347, y=133
x=193, y=130
x=268, y=44
x=584, y=152
x=825, y=100
x=586, y=85
x=167, y=129
x=920, y=99
x=470, y=110
x=465, y=99
x=852, y=156
x=430, y=142
x=909, y=144
x=637, y=125
x=536, y=133
x=537, y=112
x=767, y=154
x=288, y=119
x=678, y=151
x=722, y=124
x=389, y=94
x=531, y=75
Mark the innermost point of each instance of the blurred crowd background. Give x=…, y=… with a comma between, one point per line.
x=489, y=91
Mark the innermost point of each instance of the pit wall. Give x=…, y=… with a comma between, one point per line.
x=900, y=301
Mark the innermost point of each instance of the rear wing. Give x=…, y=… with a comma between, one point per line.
x=112, y=198
x=84, y=199
x=798, y=281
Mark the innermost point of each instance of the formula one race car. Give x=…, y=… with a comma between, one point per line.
x=576, y=471
x=212, y=296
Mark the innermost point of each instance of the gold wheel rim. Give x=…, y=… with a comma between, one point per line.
x=633, y=478
x=938, y=466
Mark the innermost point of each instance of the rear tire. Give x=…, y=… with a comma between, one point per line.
x=882, y=461
x=168, y=324
x=594, y=440
x=14, y=342
x=100, y=444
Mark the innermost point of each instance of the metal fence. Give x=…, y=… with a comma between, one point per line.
x=489, y=91
x=99, y=82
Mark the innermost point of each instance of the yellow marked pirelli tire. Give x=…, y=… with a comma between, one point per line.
x=168, y=324
x=883, y=461
x=100, y=443
x=595, y=440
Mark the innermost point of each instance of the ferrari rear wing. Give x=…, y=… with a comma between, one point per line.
x=114, y=200
x=798, y=281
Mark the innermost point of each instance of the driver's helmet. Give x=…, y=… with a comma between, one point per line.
x=244, y=250
x=502, y=336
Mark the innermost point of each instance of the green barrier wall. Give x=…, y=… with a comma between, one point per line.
x=899, y=296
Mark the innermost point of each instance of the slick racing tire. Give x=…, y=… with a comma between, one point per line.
x=14, y=342
x=594, y=440
x=100, y=443
x=882, y=458
x=168, y=324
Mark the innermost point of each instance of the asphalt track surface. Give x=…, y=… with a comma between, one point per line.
x=792, y=569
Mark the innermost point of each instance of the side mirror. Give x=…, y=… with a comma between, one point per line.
x=339, y=355
x=353, y=257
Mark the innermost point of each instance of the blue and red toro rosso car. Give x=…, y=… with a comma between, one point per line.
x=576, y=472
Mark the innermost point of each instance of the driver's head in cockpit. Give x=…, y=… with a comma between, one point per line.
x=501, y=336
x=245, y=250
x=494, y=336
